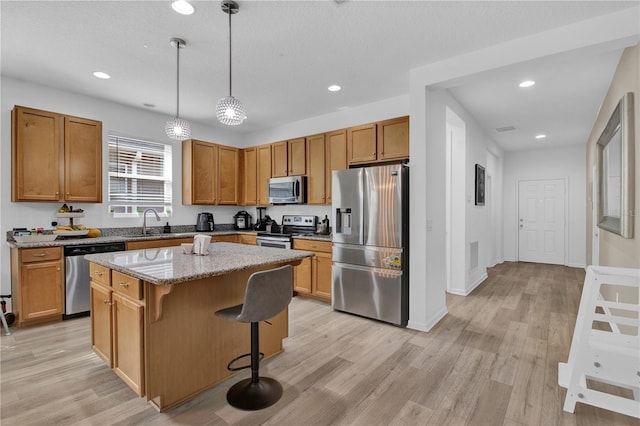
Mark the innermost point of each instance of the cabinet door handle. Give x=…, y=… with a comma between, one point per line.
x=58, y=269
x=125, y=285
x=68, y=193
x=106, y=302
x=40, y=255
x=98, y=273
x=57, y=193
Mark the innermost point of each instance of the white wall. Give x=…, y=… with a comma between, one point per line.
x=363, y=114
x=550, y=163
x=147, y=124
x=124, y=120
x=476, y=218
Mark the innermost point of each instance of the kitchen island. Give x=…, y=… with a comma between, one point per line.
x=153, y=316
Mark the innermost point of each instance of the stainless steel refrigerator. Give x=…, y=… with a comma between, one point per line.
x=370, y=273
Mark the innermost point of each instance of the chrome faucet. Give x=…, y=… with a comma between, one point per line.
x=144, y=219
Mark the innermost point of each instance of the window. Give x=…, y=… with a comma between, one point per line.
x=139, y=177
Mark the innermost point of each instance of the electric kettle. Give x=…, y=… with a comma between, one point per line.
x=204, y=222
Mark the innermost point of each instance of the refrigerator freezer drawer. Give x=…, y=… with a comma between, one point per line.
x=369, y=292
x=375, y=257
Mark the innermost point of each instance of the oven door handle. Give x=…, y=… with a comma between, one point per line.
x=276, y=239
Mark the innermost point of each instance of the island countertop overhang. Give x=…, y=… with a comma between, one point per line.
x=167, y=266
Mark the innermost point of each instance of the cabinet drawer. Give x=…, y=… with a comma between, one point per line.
x=127, y=285
x=100, y=274
x=312, y=245
x=40, y=254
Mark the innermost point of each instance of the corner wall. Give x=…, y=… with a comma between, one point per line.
x=615, y=250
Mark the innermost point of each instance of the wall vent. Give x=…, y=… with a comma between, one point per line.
x=505, y=129
x=473, y=255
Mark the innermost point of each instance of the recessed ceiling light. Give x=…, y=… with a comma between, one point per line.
x=541, y=136
x=102, y=75
x=527, y=83
x=182, y=7
x=334, y=88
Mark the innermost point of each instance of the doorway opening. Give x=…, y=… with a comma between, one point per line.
x=455, y=203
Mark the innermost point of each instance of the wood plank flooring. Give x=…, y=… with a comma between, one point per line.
x=492, y=360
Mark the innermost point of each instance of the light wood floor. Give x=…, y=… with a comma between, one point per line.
x=491, y=361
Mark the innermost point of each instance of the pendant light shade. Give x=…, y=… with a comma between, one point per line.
x=230, y=110
x=178, y=128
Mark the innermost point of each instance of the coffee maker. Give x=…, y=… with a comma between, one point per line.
x=260, y=223
x=204, y=222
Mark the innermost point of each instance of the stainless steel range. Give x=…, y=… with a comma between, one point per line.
x=292, y=225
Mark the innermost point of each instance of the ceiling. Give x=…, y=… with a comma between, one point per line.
x=286, y=53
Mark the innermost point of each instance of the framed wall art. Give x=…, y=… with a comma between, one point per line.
x=479, y=185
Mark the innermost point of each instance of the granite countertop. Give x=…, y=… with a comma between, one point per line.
x=166, y=266
x=154, y=236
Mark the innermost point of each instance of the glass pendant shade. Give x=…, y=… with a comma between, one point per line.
x=230, y=111
x=178, y=128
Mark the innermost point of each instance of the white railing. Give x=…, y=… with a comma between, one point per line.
x=607, y=356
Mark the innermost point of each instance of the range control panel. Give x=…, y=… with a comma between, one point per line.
x=308, y=221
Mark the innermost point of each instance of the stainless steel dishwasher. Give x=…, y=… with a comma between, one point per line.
x=76, y=283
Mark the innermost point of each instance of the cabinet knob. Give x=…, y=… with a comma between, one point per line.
x=373, y=153
x=125, y=285
x=98, y=273
x=40, y=255
x=106, y=302
x=68, y=193
x=58, y=269
x=57, y=193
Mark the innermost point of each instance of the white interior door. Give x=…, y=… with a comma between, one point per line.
x=541, y=221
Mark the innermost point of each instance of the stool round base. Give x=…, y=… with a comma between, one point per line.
x=247, y=395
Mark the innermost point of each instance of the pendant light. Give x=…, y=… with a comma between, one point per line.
x=230, y=110
x=178, y=128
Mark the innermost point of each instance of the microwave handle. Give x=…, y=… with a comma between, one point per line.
x=297, y=188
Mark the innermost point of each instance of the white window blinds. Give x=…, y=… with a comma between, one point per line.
x=139, y=176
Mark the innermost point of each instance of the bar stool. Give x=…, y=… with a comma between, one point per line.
x=267, y=294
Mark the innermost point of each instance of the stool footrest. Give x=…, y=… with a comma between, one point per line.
x=230, y=368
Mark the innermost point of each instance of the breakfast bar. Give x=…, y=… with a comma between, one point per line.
x=153, y=317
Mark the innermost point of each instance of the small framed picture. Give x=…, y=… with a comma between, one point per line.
x=479, y=185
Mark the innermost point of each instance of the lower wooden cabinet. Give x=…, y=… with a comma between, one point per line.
x=101, y=320
x=163, y=242
x=312, y=276
x=117, y=325
x=247, y=239
x=225, y=238
x=37, y=285
x=128, y=340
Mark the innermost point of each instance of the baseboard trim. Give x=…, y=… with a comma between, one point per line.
x=429, y=323
x=469, y=290
x=577, y=265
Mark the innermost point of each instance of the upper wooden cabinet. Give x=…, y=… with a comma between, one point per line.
x=297, y=159
x=55, y=157
x=228, y=175
x=317, y=170
x=382, y=141
x=249, y=176
x=209, y=173
x=393, y=139
x=263, y=173
x=199, y=163
x=336, y=157
x=288, y=158
x=361, y=144
x=279, y=166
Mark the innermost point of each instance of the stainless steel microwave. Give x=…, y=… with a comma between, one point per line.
x=288, y=190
